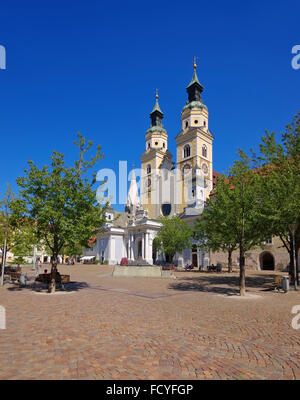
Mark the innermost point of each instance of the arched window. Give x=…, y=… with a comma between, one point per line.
x=204, y=151
x=186, y=151
x=166, y=209
x=149, y=169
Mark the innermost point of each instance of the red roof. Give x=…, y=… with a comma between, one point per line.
x=92, y=240
x=215, y=175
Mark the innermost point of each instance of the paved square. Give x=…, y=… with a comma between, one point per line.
x=145, y=328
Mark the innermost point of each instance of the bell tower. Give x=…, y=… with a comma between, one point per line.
x=194, y=142
x=155, y=154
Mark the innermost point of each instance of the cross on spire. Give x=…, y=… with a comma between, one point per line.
x=195, y=61
x=195, y=88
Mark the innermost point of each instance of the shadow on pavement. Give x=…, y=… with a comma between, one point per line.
x=41, y=287
x=222, y=284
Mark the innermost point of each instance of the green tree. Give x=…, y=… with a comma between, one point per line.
x=213, y=229
x=24, y=239
x=279, y=164
x=62, y=202
x=174, y=236
x=6, y=228
x=14, y=236
x=232, y=218
x=72, y=251
x=244, y=198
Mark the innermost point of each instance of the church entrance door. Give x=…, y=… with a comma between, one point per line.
x=195, y=260
x=139, y=248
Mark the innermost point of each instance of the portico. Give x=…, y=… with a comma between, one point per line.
x=139, y=240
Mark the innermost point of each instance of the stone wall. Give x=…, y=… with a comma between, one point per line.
x=255, y=257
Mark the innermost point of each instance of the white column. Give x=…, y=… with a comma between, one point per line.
x=148, y=249
x=128, y=244
x=146, y=246
x=109, y=249
x=143, y=246
x=132, y=247
x=129, y=247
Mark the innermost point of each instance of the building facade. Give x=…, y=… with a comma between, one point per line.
x=168, y=188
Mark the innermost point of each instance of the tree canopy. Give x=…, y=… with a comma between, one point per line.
x=19, y=233
x=213, y=229
x=259, y=198
x=174, y=236
x=62, y=201
x=232, y=217
x=279, y=164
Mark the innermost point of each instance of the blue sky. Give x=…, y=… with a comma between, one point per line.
x=93, y=67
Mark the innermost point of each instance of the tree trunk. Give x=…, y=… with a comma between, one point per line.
x=297, y=269
x=297, y=260
x=242, y=273
x=229, y=260
x=172, y=261
x=52, y=284
x=292, y=263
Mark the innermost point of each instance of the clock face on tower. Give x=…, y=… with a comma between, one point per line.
x=205, y=168
x=186, y=169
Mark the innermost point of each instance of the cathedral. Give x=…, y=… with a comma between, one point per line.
x=171, y=188
x=166, y=188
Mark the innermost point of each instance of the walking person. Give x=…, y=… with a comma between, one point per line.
x=38, y=267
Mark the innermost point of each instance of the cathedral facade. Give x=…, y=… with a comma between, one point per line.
x=166, y=188
x=171, y=188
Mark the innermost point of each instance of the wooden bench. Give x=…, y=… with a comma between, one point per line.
x=211, y=268
x=46, y=278
x=14, y=276
x=65, y=278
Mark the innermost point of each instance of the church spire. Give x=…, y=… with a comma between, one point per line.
x=156, y=114
x=195, y=88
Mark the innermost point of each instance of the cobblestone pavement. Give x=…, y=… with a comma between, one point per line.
x=143, y=328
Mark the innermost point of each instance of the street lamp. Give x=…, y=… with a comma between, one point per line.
x=4, y=257
x=293, y=228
